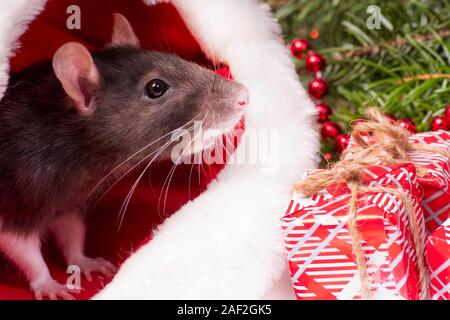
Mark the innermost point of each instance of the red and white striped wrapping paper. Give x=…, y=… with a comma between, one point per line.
x=436, y=182
x=438, y=253
x=319, y=245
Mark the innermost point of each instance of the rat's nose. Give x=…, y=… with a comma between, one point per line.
x=242, y=97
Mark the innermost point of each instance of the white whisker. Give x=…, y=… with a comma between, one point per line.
x=172, y=172
x=130, y=158
x=126, y=202
x=190, y=177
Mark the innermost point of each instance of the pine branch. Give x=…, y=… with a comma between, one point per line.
x=377, y=48
x=424, y=77
x=402, y=67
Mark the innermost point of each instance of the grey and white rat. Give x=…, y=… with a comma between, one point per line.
x=65, y=124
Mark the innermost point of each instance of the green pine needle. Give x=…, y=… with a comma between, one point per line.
x=396, y=67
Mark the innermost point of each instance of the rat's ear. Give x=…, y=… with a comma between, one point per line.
x=75, y=68
x=123, y=33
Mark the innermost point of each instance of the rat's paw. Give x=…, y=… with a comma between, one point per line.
x=50, y=289
x=88, y=266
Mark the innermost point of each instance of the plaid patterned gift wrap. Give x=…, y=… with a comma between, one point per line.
x=320, y=246
x=436, y=182
x=438, y=253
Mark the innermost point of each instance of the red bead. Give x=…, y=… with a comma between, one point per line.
x=329, y=130
x=438, y=123
x=318, y=88
x=314, y=62
x=391, y=117
x=323, y=112
x=328, y=156
x=341, y=142
x=447, y=115
x=298, y=47
x=407, y=125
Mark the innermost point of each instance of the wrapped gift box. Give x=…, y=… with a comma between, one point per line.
x=319, y=245
x=436, y=182
x=438, y=253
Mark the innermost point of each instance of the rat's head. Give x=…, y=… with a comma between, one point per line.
x=139, y=96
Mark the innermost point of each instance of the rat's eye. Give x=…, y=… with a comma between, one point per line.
x=156, y=88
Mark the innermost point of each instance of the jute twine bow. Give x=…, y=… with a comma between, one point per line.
x=378, y=141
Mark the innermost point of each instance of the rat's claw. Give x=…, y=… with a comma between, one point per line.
x=95, y=265
x=107, y=268
x=50, y=289
x=87, y=275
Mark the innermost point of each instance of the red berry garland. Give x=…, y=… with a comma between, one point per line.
x=391, y=116
x=439, y=123
x=299, y=47
x=341, y=142
x=323, y=112
x=318, y=88
x=330, y=130
x=407, y=124
x=314, y=62
x=328, y=156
